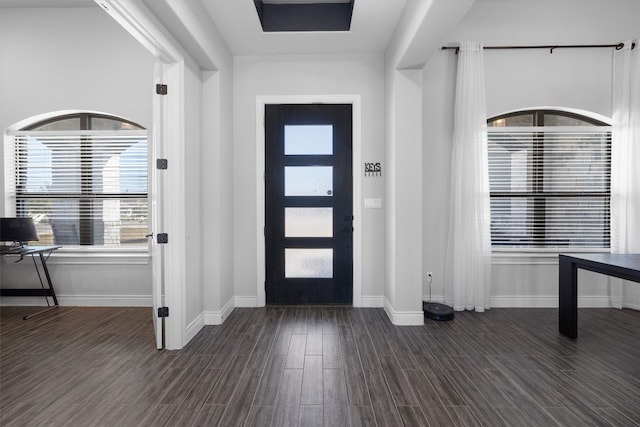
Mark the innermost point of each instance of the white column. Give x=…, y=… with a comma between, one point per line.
x=403, y=289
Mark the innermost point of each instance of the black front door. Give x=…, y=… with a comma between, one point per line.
x=309, y=204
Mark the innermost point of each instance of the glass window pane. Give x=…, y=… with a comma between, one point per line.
x=308, y=139
x=123, y=222
x=511, y=222
x=308, y=181
x=105, y=123
x=49, y=165
x=308, y=222
x=561, y=120
x=112, y=223
x=119, y=166
x=576, y=162
x=525, y=119
x=308, y=263
x=576, y=222
x=71, y=123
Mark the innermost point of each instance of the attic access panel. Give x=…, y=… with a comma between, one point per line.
x=304, y=15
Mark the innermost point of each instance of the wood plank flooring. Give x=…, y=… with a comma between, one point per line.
x=315, y=366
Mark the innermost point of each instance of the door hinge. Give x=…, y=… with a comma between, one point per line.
x=161, y=89
x=162, y=238
x=163, y=311
x=162, y=164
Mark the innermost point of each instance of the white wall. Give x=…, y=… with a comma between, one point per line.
x=518, y=79
x=194, y=238
x=361, y=75
x=216, y=202
x=71, y=58
x=60, y=59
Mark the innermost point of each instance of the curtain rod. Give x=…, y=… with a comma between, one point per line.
x=617, y=46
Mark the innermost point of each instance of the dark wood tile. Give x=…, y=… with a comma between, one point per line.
x=362, y=416
x=384, y=408
x=412, y=416
x=270, y=382
x=295, y=355
x=357, y=390
x=312, y=382
x=287, y=408
x=334, y=388
x=209, y=416
x=226, y=384
x=241, y=400
x=331, y=356
x=330, y=366
x=462, y=416
x=311, y=415
x=260, y=416
x=397, y=382
x=335, y=415
x=436, y=376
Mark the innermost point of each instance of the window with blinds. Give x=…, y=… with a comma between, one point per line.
x=549, y=176
x=83, y=178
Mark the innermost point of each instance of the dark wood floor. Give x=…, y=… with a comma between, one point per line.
x=309, y=366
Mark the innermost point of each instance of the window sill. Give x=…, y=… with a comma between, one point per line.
x=100, y=256
x=542, y=256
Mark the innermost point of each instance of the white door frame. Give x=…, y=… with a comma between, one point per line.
x=354, y=100
x=135, y=19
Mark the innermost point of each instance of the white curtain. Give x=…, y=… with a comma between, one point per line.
x=468, y=261
x=625, y=157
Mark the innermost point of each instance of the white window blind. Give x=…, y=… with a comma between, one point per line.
x=83, y=187
x=550, y=186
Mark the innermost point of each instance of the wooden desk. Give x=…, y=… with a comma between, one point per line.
x=43, y=252
x=623, y=266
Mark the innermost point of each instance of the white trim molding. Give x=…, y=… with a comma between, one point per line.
x=82, y=301
x=194, y=327
x=66, y=256
x=372, y=301
x=403, y=318
x=546, y=301
x=217, y=317
x=245, y=301
x=355, y=101
x=138, y=21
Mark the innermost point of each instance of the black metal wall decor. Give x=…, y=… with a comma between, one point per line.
x=373, y=169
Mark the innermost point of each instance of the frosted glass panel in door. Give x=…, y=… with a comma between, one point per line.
x=308, y=263
x=308, y=180
x=308, y=222
x=308, y=140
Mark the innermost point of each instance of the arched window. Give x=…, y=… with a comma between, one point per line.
x=83, y=178
x=549, y=175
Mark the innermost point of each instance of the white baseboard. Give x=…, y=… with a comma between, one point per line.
x=548, y=301
x=371, y=301
x=194, y=327
x=208, y=318
x=217, y=317
x=83, y=301
x=403, y=318
x=249, y=302
x=631, y=306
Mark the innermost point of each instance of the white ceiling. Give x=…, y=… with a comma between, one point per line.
x=47, y=3
x=372, y=26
